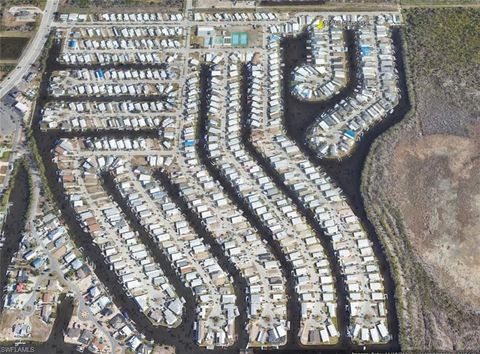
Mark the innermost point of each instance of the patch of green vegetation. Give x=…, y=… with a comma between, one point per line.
x=446, y=41
x=5, y=155
x=438, y=2
x=83, y=3
x=6, y=195
x=38, y=3
x=6, y=68
x=41, y=167
x=107, y=3
x=442, y=44
x=96, y=5
x=11, y=47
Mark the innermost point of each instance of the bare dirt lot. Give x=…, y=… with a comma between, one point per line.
x=437, y=192
x=421, y=184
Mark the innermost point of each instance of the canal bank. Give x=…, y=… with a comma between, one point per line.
x=181, y=338
x=240, y=284
x=14, y=224
x=341, y=293
x=293, y=305
x=56, y=343
x=185, y=329
x=300, y=115
x=346, y=173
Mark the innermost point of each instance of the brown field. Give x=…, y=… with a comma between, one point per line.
x=421, y=184
x=437, y=192
x=7, y=319
x=40, y=330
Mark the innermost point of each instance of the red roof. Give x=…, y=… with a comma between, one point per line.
x=20, y=287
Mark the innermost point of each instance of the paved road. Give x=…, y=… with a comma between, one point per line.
x=32, y=51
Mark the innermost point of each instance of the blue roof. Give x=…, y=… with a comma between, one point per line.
x=59, y=241
x=365, y=49
x=10, y=299
x=54, y=233
x=37, y=262
x=72, y=43
x=100, y=73
x=350, y=133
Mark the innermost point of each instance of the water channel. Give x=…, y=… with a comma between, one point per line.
x=14, y=224
x=298, y=115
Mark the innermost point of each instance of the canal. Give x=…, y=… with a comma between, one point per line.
x=240, y=284
x=14, y=224
x=293, y=305
x=347, y=173
x=298, y=116
x=181, y=337
x=56, y=343
x=341, y=293
x=184, y=331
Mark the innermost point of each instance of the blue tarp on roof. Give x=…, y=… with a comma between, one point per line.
x=365, y=49
x=350, y=133
x=100, y=74
x=72, y=43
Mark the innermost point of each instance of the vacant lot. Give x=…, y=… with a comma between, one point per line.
x=421, y=184
x=11, y=47
x=437, y=191
x=114, y=6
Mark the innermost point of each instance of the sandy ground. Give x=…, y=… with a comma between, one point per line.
x=164, y=350
x=421, y=187
x=40, y=330
x=438, y=193
x=8, y=319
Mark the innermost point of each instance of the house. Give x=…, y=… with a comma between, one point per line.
x=117, y=321
x=37, y=262
x=73, y=332
x=46, y=313
x=21, y=330
x=85, y=337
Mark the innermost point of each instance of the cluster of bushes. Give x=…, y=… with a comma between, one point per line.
x=440, y=45
x=113, y=3
x=445, y=42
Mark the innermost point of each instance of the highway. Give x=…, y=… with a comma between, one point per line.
x=32, y=51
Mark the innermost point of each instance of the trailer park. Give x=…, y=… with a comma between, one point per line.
x=166, y=141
